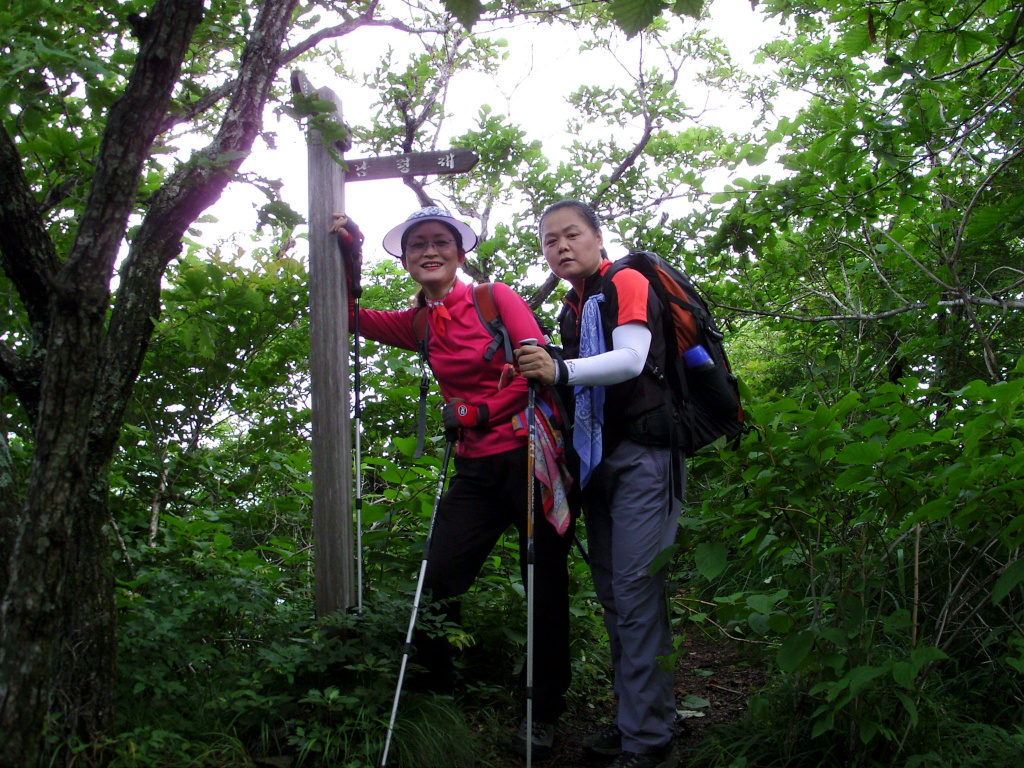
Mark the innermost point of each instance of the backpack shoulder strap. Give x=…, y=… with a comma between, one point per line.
x=483, y=300
x=420, y=327
x=678, y=327
x=487, y=311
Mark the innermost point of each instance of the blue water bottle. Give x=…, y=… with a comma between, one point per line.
x=698, y=359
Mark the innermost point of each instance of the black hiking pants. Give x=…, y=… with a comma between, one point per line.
x=485, y=497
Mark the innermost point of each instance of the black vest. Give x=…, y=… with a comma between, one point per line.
x=627, y=403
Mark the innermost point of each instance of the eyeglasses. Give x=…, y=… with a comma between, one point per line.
x=420, y=246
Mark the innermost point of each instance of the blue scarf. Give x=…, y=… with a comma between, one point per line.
x=586, y=435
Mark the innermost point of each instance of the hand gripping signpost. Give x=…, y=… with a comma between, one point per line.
x=337, y=573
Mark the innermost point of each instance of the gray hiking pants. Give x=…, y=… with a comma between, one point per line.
x=630, y=519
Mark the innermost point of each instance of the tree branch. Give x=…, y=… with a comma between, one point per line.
x=191, y=110
x=935, y=278
x=188, y=111
x=191, y=189
x=541, y=294
x=27, y=254
x=365, y=19
x=22, y=373
x=868, y=317
x=628, y=160
x=1003, y=164
x=57, y=194
x=132, y=126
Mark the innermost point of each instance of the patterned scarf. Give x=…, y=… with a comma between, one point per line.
x=549, y=465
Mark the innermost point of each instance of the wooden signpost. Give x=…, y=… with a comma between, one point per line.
x=333, y=561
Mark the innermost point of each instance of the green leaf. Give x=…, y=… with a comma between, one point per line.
x=904, y=673
x=860, y=453
x=853, y=476
x=710, y=558
x=466, y=11
x=932, y=510
x=1008, y=579
x=761, y=603
x=861, y=676
x=196, y=281
x=868, y=730
x=663, y=558
x=926, y=654
x=794, y=650
x=855, y=41
x=909, y=706
x=691, y=8
x=633, y=16
x=822, y=725
x=906, y=438
x=759, y=623
x=781, y=623
x=692, y=701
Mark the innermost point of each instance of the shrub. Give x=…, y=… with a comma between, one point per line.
x=875, y=544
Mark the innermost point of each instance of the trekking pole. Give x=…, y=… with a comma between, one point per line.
x=357, y=414
x=416, y=601
x=353, y=266
x=531, y=457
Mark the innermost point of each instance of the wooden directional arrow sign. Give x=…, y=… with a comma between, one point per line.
x=417, y=164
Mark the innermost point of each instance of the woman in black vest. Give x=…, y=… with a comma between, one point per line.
x=610, y=330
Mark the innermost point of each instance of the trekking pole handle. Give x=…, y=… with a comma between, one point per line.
x=532, y=383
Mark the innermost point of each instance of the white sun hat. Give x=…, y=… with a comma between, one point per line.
x=393, y=239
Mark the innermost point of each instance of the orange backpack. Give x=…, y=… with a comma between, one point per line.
x=708, y=395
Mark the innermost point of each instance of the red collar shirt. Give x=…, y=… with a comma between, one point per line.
x=456, y=357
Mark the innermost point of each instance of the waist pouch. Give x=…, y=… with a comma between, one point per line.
x=656, y=427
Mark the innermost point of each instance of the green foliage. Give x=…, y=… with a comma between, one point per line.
x=634, y=16
x=223, y=660
x=875, y=543
x=218, y=634
x=466, y=11
x=894, y=222
x=225, y=643
x=765, y=739
x=869, y=535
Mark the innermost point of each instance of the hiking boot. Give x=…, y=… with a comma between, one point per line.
x=606, y=741
x=543, y=739
x=665, y=757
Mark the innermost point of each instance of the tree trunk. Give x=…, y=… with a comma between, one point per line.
x=57, y=618
x=52, y=515
x=83, y=688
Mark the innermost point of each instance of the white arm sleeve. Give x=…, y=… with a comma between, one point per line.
x=630, y=344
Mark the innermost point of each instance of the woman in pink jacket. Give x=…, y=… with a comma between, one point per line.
x=488, y=492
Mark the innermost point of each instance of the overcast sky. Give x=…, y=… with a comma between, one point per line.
x=544, y=66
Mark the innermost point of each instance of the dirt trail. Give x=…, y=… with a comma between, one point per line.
x=716, y=671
